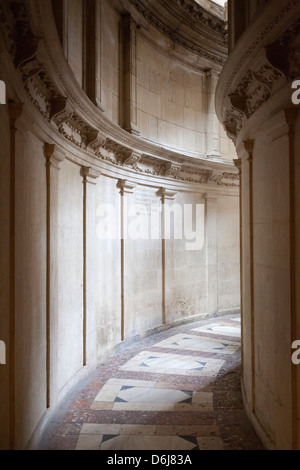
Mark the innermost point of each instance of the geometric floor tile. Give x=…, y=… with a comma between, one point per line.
x=148, y=397
x=166, y=363
x=224, y=330
x=195, y=403
x=198, y=343
x=131, y=442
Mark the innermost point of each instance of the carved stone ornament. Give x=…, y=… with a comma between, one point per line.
x=59, y=111
x=172, y=169
x=95, y=140
x=64, y=108
x=131, y=158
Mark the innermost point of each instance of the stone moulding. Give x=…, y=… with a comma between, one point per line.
x=259, y=70
x=53, y=90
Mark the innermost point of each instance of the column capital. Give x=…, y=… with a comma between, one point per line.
x=212, y=73
x=89, y=174
x=238, y=164
x=166, y=194
x=126, y=187
x=53, y=155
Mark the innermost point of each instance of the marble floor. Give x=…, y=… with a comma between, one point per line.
x=176, y=390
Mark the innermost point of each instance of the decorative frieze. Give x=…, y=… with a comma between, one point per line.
x=131, y=158
x=172, y=169
x=70, y=117
x=95, y=140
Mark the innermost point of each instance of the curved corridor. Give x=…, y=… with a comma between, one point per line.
x=178, y=389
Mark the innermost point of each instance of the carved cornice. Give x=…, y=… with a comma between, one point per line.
x=48, y=82
x=270, y=67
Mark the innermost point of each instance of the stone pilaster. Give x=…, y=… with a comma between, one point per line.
x=54, y=157
x=89, y=179
x=130, y=75
x=213, y=125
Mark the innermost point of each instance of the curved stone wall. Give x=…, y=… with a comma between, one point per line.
x=254, y=103
x=112, y=226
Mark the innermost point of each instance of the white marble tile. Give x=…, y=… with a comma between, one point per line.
x=88, y=442
x=150, y=442
x=167, y=363
x=143, y=406
x=152, y=395
x=138, y=429
x=224, y=330
x=131, y=382
x=103, y=428
x=108, y=392
x=199, y=343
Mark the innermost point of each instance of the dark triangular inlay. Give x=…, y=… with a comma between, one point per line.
x=120, y=400
x=126, y=387
x=191, y=439
x=144, y=365
x=188, y=400
x=107, y=437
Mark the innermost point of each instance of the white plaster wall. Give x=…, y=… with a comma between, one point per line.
x=228, y=253
x=105, y=276
x=142, y=263
x=186, y=268
x=70, y=273
x=171, y=102
x=30, y=288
